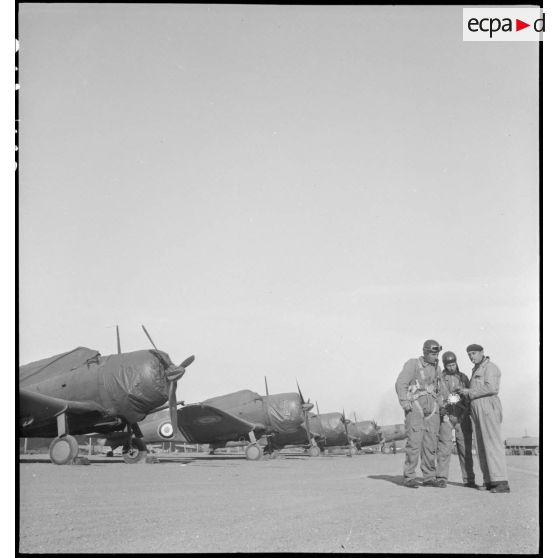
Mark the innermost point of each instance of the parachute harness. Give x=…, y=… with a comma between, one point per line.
x=415, y=391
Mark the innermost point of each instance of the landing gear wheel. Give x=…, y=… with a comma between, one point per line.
x=134, y=452
x=314, y=451
x=254, y=452
x=63, y=450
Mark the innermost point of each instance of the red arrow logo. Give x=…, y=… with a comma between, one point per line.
x=519, y=25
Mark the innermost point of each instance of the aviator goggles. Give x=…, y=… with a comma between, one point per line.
x=434, y=349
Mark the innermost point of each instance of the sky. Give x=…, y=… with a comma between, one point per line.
x=297, y=192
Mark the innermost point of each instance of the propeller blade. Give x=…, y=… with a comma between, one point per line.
x=118, y=341
x=172, y=407
x=305, y=410
x=266, y=390
x=187, y=362
x=149, y=337
x=174, y=373
x=307, y=425
x=345, y=422
x=322, y=431
x=300, y=392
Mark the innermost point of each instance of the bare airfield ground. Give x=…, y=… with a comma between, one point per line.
x=324, y=504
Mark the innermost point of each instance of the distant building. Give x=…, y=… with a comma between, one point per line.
x=527, y=445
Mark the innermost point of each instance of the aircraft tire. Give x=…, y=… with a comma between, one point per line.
x=314, y=451
x=135, y=453
x=254, y=452
x=63, y=450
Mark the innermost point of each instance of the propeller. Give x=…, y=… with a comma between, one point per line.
x=266, y=390
x=346, y=421
x=173, y=374
x=378, y=429
x=118, y=341
x=321, y=425
x=306, y=407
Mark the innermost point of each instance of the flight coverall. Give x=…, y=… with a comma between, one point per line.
x=486, y=412
x=458, y=417
x=418, y=383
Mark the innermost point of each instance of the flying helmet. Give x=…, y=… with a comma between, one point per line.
x=449, y=357
x=431, y=347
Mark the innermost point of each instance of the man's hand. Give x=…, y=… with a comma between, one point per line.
x=464, y=391
x=407, y=405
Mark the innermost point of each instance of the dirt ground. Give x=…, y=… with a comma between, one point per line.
x=323, y=504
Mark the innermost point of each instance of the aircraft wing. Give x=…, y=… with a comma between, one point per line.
x=36, y=409
x=36, y=372
x=205, y=424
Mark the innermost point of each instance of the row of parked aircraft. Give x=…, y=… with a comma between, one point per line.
x=130, y=398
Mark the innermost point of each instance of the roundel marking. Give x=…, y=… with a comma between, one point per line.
x=165, y=430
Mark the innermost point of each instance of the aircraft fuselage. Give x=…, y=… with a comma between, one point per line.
x=277, y=414
x=127, y=385
x=365, y=432
x=393, y=432
x=329, y=428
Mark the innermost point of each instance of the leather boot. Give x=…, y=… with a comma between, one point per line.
x=500, y=487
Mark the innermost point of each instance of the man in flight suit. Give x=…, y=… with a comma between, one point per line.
x=417, y=389
x=486, y=412
x=454, y=415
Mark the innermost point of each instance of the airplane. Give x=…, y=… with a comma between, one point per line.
x=368, y=433
x=82, y=392
x=322, y=430
x=331, y=430
x=391, y=433
x=334, y=429
x=240, y=416
x=365, y=433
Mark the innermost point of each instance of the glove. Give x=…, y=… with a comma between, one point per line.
x=407, y=406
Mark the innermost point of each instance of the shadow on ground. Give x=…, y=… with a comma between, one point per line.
x=400, y=480
x=395, y=479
